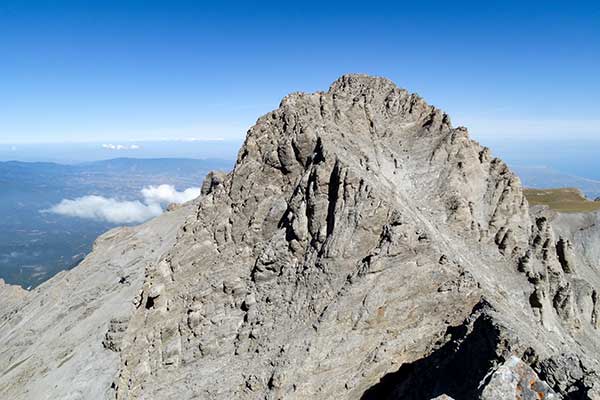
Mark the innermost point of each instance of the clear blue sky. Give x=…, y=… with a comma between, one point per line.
x=132, y=70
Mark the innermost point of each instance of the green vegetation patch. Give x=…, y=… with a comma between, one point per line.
x=562, y=200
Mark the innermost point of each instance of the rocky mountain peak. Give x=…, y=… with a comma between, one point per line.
x=397, y=142
x=361, y=248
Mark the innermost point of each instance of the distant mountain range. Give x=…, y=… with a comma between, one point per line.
x=35, y=245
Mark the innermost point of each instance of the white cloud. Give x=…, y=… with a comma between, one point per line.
x=165, y=194
x=106, y=209
x=115, y=211
x=110, y=146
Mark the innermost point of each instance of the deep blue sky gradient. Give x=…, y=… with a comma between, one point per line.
x=132, y=70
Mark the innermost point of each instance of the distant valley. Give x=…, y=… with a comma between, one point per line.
x=35, y=244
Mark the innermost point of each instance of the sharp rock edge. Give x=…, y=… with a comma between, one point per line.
x=361, y=248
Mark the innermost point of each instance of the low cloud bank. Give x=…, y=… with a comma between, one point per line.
x=165, y=194
x=106, y=209
x=115, y=211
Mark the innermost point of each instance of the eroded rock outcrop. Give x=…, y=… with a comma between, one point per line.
x=516, y=380
x=361, y=248
x=355, y=228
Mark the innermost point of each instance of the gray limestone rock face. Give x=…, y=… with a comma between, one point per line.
x=516, y=380
x=213, y=179
x=361, y=248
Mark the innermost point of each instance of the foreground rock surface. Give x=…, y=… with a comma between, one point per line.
x=516, y=380
x=362, y=248
x=53, y=341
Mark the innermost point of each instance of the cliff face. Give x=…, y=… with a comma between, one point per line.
x=361, y=248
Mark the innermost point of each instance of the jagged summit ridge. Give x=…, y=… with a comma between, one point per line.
x=361, y=248
x=369, y=122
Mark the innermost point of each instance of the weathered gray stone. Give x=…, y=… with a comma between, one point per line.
x=516, y=380
x=62, y=340
x=212, y=180
x=361, y=248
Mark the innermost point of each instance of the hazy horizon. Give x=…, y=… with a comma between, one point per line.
x=569, y=156
x=69, y=153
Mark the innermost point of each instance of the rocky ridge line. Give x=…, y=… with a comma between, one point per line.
x=357, y=231
x=361, y=248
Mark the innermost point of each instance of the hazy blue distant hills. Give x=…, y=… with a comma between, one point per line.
x=35, y=245
x=151, y=165
x=181, y=168
x=44, y=183
x=543, y=162
x=545, y=177
x=72, y=153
